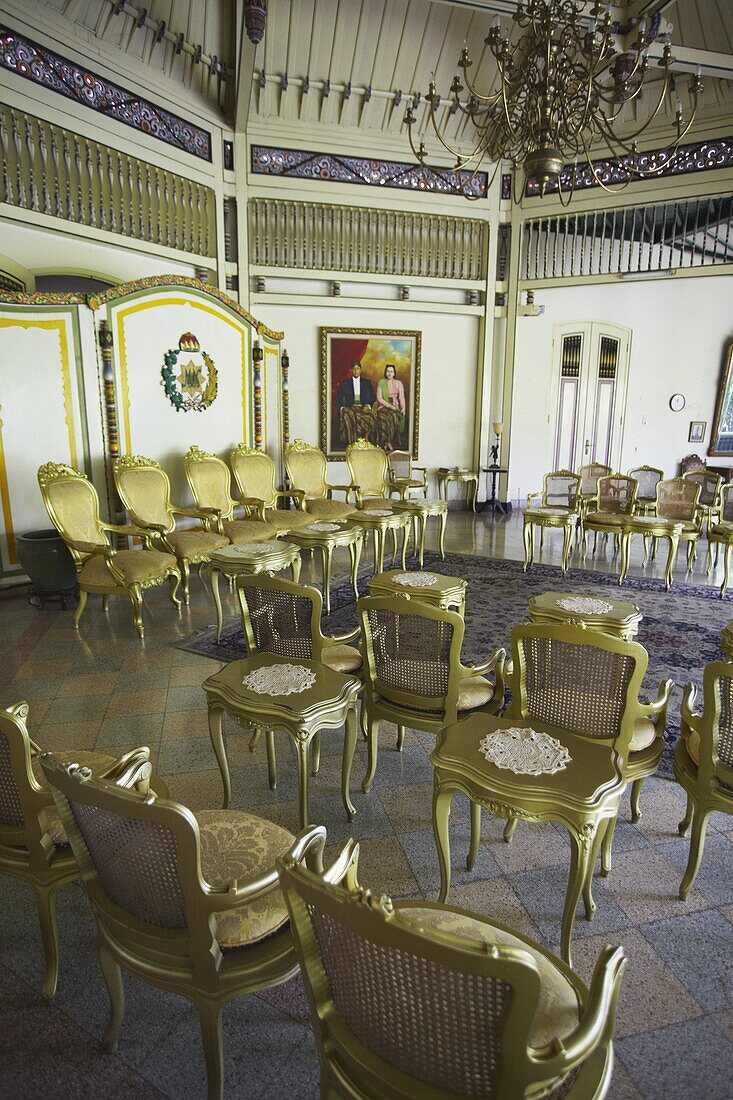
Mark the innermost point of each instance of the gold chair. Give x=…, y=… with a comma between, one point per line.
x=254, y=472
x=401, y=475
x=189, y=903
x=721, y=534
x=306, y=468
x=615, y=498
x=588, y=495
x=414, y=675
x=560, y=754
x=710, y=489
x=678, y=500
x=73, y=505
x=33, y=844
x=647, y=477
x=145, y=491
x=703, y=760
x=210, y=482
x=415, y=999
x=557, y=507
x=369, y=470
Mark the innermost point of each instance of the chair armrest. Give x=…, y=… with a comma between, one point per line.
x=131, y=529
x=658, y=709
x=342, y=639
x=256, y=503
x=102, y=548
x=298, y=495
x=531, y=497
x=347, y=489
x=423, y=468
x=691, y=719
x=356, y=490
x=193, y=511
x=495, y=661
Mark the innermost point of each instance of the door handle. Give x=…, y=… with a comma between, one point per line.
x=587, y=446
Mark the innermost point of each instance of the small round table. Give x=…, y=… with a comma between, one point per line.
x=327, y=703
x=379, y=521
x=466, y=477
x=619, y=618
x=326, y=535
x=564, y=518
x=247, y=558
x=650, y=527
x=421, y=510
x=492, y=502
x=432, y=588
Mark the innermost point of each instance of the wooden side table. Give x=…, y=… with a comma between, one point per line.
x=433, y=588
x=247, y=558
x=466, y=477
x=421, y=510
x=326, y=535
x=328, y=702
x=620, y=618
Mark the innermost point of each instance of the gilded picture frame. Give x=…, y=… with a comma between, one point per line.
x=721, y=436
x=370, y=388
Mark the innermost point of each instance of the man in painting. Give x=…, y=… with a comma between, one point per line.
x=356, y=399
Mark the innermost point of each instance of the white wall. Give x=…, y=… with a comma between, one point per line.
x=680, y=329
x=448, y=376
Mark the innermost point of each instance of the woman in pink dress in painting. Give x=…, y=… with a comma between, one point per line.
x=391, y=410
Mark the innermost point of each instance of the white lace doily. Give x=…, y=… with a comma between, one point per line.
x=525, y=751
x=280, y=680
x=585, y=605
x=378, y=512
x=416, y=580
x=258, y=547
x=323, y=527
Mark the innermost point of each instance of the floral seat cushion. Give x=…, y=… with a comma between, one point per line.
x=136, y=566
x=342, y=658
x=333, y=509
x=473, y=692
x=248, y=530
x=196, y=543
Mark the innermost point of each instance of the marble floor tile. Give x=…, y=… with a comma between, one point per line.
x=420, y=849
x=714, y=880
x=542, y=892
x=646, y=886
x=139, y=728
x=138, y=702
x=667, y=1062
x=77, y=735
x=85, y=708
x=92, y=683
x=697, y=948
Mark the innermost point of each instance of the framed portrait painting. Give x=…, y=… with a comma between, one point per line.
x=370, y=389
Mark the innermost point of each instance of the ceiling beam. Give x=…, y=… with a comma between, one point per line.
x=638, y=9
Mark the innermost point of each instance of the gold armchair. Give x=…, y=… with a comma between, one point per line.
x=721, y=534
x=615, y=498
x=210, y=482
x=710, y=489
x=703, y=760
x=401, y=475
x=414, y=998
x=556, y=506
x=189, y=903
x=678, y=499
x=73, y=505
x=254, y=472
x=307, y=467
x=33, y=844
x=145, y=491
x=369, y=470
x=647, y=478
x=588, y=495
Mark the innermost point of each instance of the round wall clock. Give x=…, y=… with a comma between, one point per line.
x=677, y=402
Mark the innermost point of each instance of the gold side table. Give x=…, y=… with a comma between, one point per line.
x=326, y=535
x=463, y=476
x=620, y=618
x=247, y=558
x=278, y=702
x=432, y=588
x=421, y=510
x=649, y=527
x=379, y=521
x=564, y=518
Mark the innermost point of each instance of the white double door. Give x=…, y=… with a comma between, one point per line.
x=590, y=376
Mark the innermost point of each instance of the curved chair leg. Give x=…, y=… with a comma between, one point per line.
x=690, y=555
x=441, y=828
x=347, y=761
x=216, y=732
x=528, y=545
x=443, y=522
x=607, y=847
x=475, y=835
x=684, y=824
x=700, y=817
x=46, y=905
x=400, y=738
x=635, y=797
x=80, y=607
x=271, y=759
x=579, y=860
x=372, y=752
x=113, y=981
x=542, y=539
x=174, y=581
x=212, y=1040
x=726, y=569
x=136, y=599
x=590, y=905
x=510, y=829
x=185, y=577
x=255, y=738
x=316, y=753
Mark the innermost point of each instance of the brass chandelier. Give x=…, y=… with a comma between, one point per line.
x=562, y=89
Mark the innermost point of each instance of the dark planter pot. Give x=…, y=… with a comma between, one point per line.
x=47, y=561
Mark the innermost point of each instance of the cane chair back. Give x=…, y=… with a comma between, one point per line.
x=710, y=486
x=209, y=480
x=715, y=753
x=647, y=478
x=405, y=1003
x=678, y=499
x=369, y=468
x=281, y=617
x=726, y=503
x=585, y=682
x=23, y=801
x=145, y=491
x=73, y=505
x=306, y=466
x=617, y=494
x=560, y=489
x=254, y=472
x=589, y=477
x=402, y=473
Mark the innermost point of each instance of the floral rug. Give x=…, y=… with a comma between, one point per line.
x=680, y=629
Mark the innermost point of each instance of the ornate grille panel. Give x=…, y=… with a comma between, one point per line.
x=317, y=237
x=571, y=350
x=65, y=175
x=665, y=236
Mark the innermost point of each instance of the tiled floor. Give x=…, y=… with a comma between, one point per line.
x=101, y=688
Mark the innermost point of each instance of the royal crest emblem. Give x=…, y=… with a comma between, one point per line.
x=189, y=376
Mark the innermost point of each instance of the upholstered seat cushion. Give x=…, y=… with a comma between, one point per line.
x=722, y=530
x=196, y=543
x=97, y=761
x=334, y=509
x=248, y=530
x=136, y=566
x=550, y=513
x=557, y=1009
x=242, y=846
x=342, y=658
x=689, y=528
x=474, y=691
x=606, y=519
x=644, y=733
x=281, y=520
x=370, y=503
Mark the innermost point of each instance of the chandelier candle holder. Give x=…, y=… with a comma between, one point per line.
x=562, y=89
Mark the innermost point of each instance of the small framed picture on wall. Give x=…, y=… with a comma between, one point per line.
x=697, y=431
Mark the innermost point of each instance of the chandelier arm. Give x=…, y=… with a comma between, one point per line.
x=599, y=181
x=461, y=158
